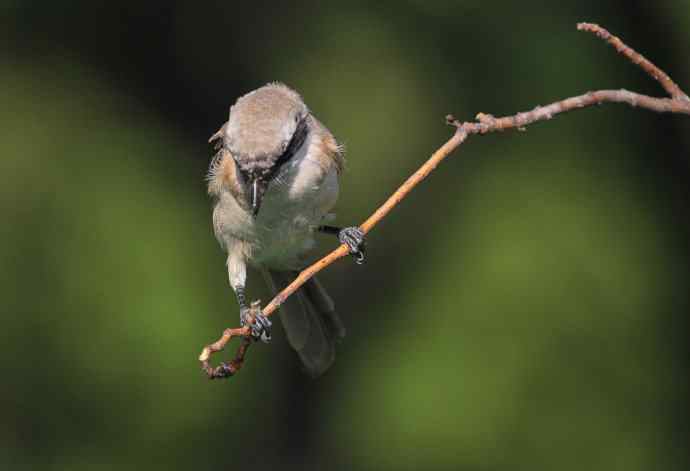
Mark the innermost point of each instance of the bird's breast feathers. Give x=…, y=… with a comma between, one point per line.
x=300, y=195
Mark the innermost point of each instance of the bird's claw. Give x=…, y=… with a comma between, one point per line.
x=353, y=237
x=261, y=327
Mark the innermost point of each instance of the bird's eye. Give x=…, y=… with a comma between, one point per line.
x=295, y=143
x=243, y=174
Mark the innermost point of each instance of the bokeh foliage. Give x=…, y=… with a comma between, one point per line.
x=525, y=308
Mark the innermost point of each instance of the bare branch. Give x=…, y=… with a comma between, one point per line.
x=487, y=123
x=637, y=59
x=678, y=103
x=226, y=370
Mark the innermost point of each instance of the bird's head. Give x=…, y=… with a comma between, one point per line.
x=265, y=130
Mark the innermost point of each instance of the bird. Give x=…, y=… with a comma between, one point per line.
x=273, y=182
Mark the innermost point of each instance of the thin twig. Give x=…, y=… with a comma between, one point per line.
x=484, y=124
x=637, y=59
x=226, y=370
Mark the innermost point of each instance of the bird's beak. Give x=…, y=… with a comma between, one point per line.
x=257, y=190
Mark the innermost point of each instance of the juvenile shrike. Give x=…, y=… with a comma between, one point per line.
x=273, y=181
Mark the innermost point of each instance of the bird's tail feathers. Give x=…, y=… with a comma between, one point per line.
x=310, y=322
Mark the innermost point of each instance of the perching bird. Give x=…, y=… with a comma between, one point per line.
x=274, y=181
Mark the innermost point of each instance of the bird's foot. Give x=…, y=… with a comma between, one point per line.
x=353, y=237
x=261, y=327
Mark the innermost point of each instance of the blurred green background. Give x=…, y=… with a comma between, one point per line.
x=525, y=308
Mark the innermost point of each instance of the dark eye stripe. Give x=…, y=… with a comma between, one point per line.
x=296, y=142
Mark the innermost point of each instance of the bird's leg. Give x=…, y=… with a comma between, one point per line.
x=237, y=275
x=351, y=236
x=261, y=328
